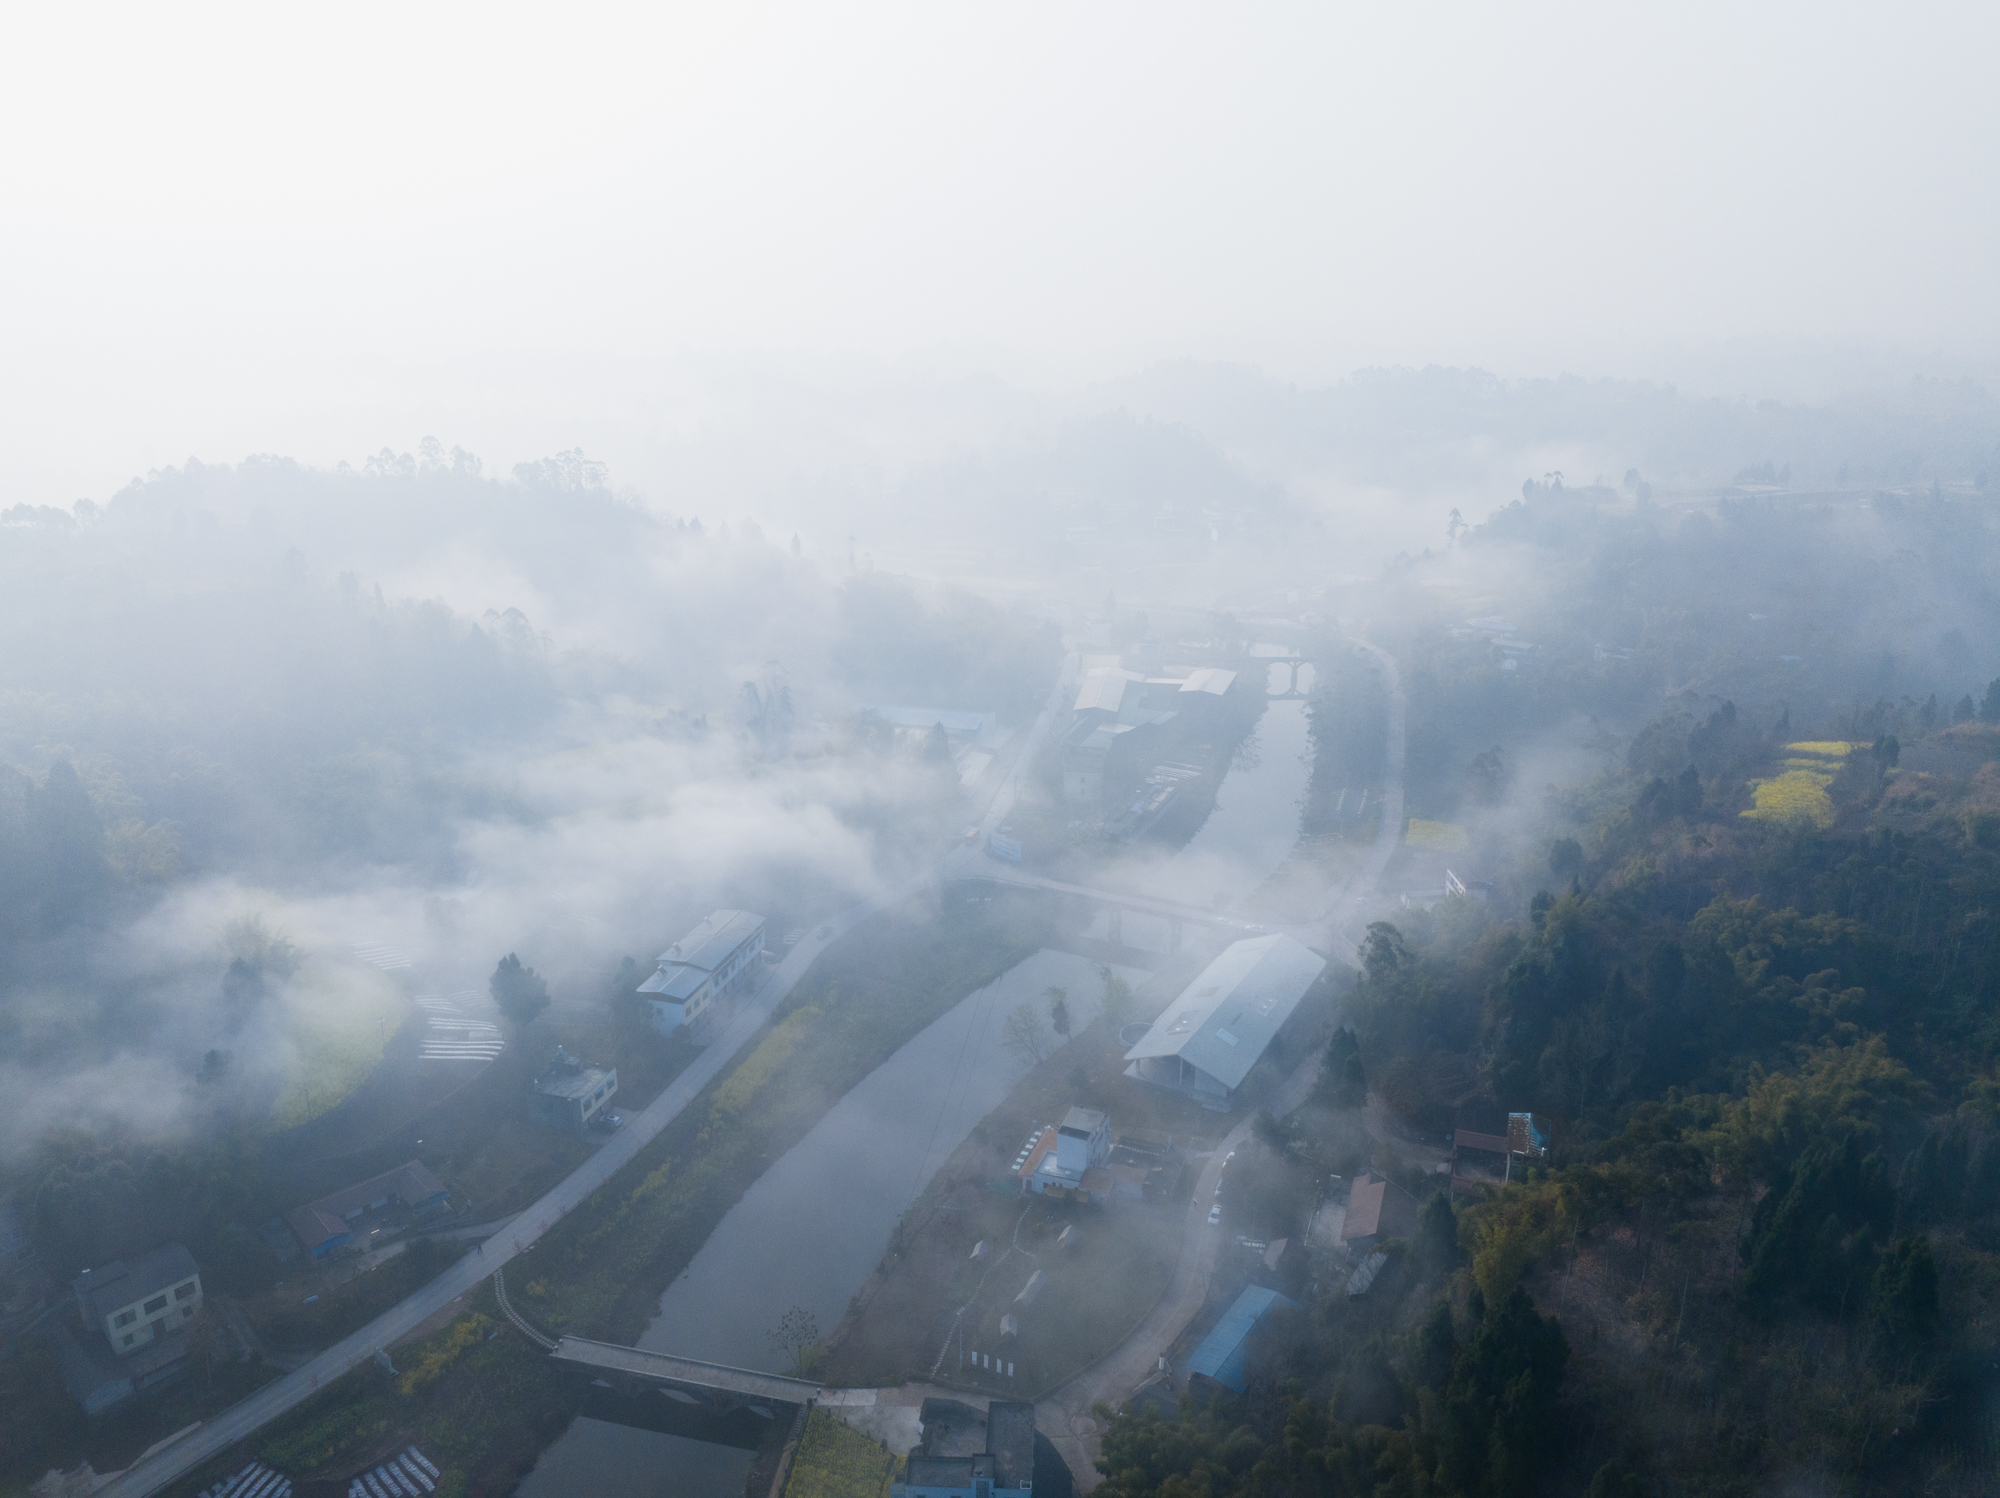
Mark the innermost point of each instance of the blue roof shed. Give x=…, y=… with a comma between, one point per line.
x=1223, y=1351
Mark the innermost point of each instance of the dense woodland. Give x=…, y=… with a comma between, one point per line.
x=1727, y=773
x=1765, y=1254
x=234, y=688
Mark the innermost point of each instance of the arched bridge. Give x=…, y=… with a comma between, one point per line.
x=1293, y=692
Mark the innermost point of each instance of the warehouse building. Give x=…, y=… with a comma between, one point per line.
x=389, y=1200
x=1212, y=1035
x=1224, y=1354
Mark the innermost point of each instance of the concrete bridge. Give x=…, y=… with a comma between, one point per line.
x=714, y=1386
x=1173, y=912
x=1318, y=934
x=1293, y=692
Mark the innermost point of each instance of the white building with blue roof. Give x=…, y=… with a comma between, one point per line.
x=704, y=966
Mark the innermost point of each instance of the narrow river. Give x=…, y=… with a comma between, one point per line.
x=813, y=1226
x=1255, y=822
x=812, y=1229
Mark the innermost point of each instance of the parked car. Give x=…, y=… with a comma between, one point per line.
x=609, y=1122
x=1214, y=1215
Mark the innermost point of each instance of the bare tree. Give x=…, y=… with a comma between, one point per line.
x=1058, y=1009
x=1022, y=1033
x=796, y=1333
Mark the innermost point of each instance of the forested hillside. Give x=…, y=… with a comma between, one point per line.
x=1748, y=969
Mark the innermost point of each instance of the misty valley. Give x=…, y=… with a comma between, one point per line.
x=1080, y=966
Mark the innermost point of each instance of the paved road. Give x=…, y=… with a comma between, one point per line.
x=243, y=1419
x=1065, y=1416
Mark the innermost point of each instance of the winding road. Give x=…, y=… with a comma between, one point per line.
x=245, y=1418
x=1065, y=1415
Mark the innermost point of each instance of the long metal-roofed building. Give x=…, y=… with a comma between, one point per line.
x=1224, y=1354
x=1209, y=1038
x=703, y=966
x=333, y=1221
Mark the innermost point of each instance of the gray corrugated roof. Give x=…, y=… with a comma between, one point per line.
x=1223, y=1020
x=120, y=1283
x=580, y=1083
x=1212, y=680
x=675, y=983
x=1010, y=1437
x=1103, y=689
x=1086, y=1121
x=708, y=946
x=409, y=1183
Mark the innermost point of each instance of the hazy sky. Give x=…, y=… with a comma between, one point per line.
x=319, y=231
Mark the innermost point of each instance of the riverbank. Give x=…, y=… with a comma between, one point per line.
x=478, y=1398
x=927, y=1293
x=859, y=1002
x=600, y=1273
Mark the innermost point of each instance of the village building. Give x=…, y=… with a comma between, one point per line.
x=960, y=726
x=956, y=1459
x=703, y=967
x=133, y=1303
x=1488, y=1150
x=1377, y=1209
x=568, y=1095
x=1124, y=721
x=1082, y=1143
x=1076, y=1159
x=1210, y=1037
x=134, y=1317
x=390, y=1200
x=1223, y=1357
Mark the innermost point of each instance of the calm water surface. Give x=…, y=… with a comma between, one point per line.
x=1255, y=821
x=813, y=1227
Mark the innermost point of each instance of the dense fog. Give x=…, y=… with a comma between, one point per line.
x=858, y=754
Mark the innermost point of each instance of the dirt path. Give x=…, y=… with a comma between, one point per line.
x=1065, y=1416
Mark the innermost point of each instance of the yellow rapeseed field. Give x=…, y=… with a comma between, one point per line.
x=1436, y=837
x=1798, y=794
x=1795, y=796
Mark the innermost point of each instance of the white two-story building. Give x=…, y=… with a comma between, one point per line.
x=706, y=965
